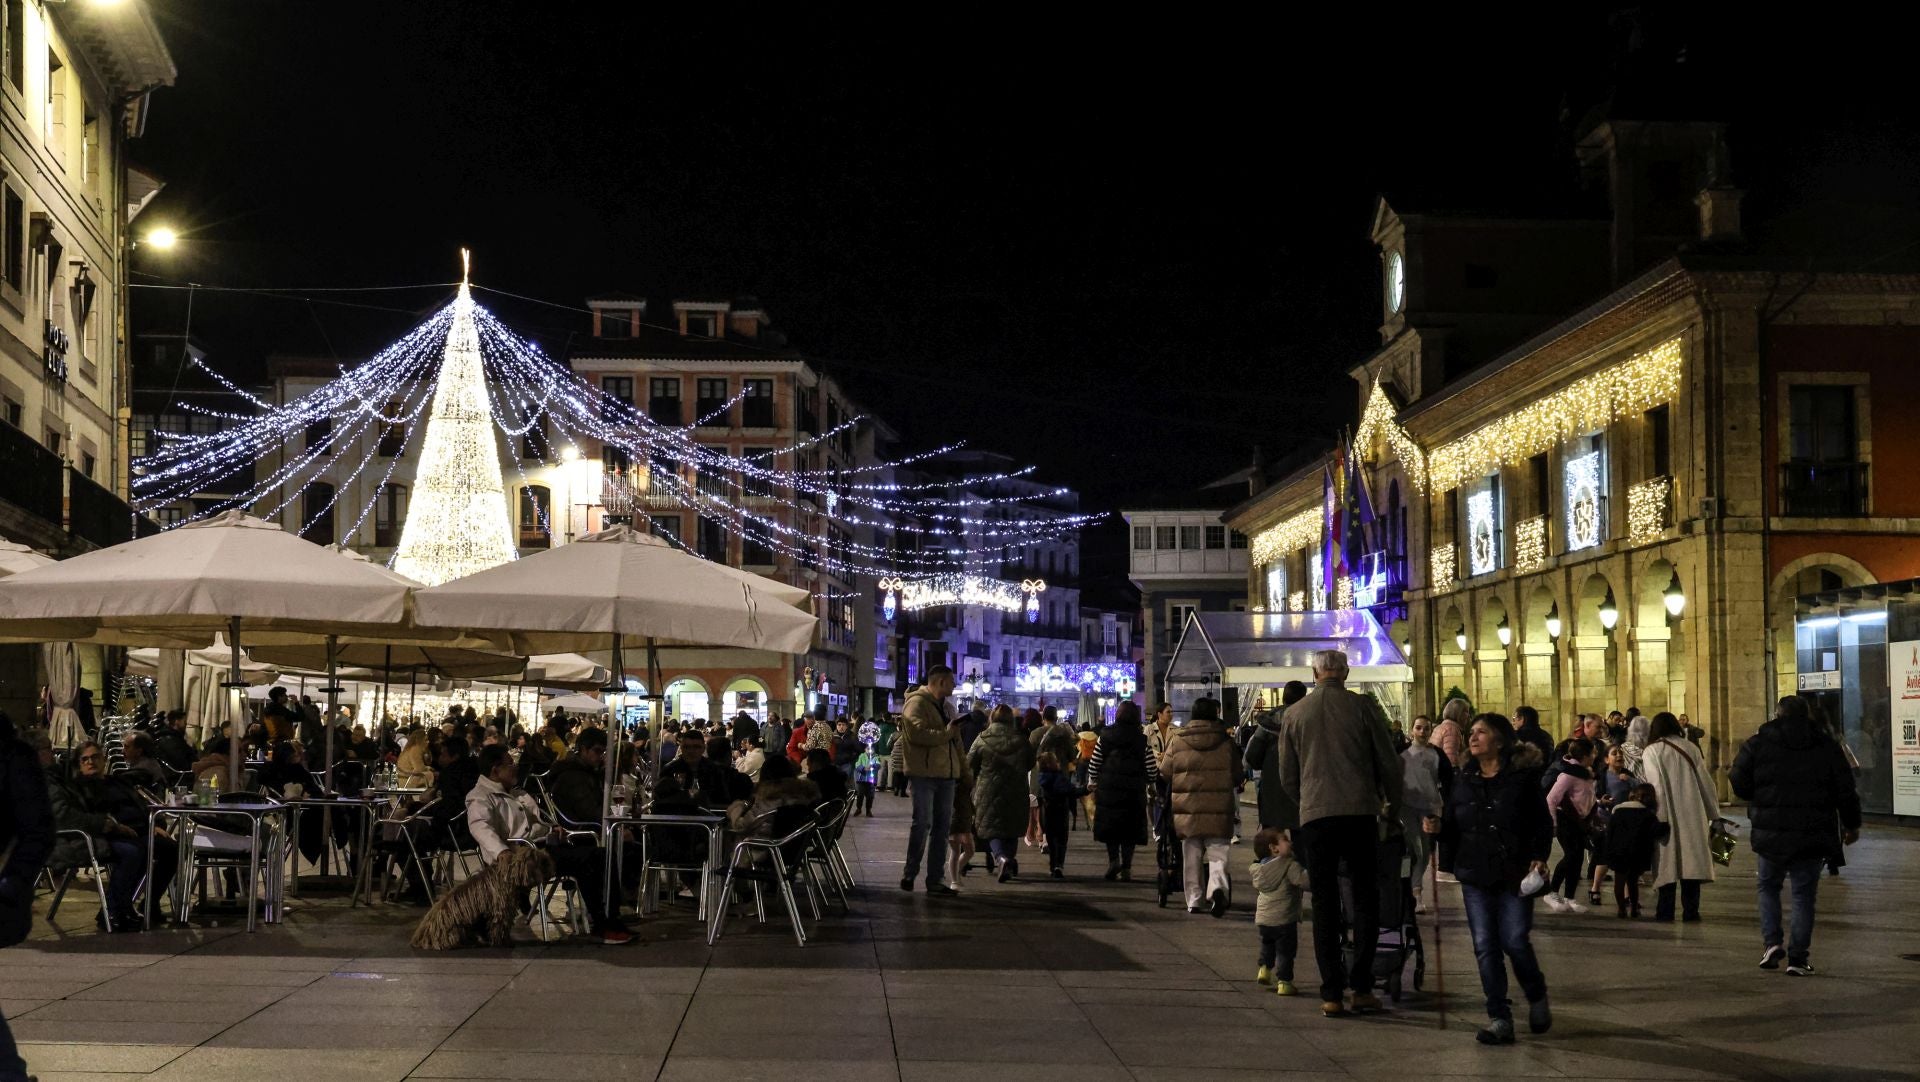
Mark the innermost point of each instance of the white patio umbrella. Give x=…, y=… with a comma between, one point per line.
x=576, y=704
x=230, y=572
x=17, y=558
x=616, y=585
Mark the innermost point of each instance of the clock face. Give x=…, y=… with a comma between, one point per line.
x=1396, y=282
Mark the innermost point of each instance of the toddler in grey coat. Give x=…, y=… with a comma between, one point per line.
x=1281, y=880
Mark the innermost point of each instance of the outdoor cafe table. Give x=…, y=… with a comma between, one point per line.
x=713, y=824
x=364, y=804
x=220, y=817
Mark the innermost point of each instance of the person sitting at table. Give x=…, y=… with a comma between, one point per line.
x=107, y=810
x=753, y=755
x=781, y=786
x=498, y=814
x=362, y=747
x=213, y=760
x=412, y=767
x=577, y=784
x=825, y=775
x=142, y=768
x=170, y=745
x=286, y=766
x=253, y=742
x=715, y=784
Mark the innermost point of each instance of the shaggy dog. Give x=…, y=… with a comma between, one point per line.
x=481, y=911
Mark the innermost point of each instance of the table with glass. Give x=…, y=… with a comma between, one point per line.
x=220, y=817
x=365, y=805
x=714, y=824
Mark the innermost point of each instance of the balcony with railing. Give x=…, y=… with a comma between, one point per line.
x=32, y=473
x=1823, y=489
x=95, y=514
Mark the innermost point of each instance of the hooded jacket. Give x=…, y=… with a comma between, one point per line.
x=1492, y=828
x=1797, y=784
x=932, y=748
x=1279, y=881
x=1203, y=774
x=1000, y=760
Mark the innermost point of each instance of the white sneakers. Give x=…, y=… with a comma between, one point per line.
x=1562, y=904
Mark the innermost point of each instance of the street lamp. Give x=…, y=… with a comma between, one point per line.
x=1553, y=621
x=1504, y=632
x=162, y=237
x=1673, y=596
x=1609, y=612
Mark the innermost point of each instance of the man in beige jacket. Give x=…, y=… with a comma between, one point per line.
x=932, y=760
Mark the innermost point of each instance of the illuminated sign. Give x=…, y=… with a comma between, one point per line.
x=1099, y=677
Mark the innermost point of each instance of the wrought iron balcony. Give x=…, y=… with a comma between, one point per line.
x=1816, y=489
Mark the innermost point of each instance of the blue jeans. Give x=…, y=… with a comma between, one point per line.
x=932, y=814
x=1804, y=874
x=1501, y=922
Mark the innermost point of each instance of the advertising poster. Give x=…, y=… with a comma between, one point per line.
x=1903, y=670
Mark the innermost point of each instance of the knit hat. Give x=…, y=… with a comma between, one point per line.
x=1088, y=736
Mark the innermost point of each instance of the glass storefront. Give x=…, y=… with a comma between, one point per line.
x=1857, y=658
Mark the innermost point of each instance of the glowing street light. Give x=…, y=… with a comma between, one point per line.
x=1504, y=632
x=1553, y=621
x=1460, y=639
x=1674, y=598
x=1609, y=612
x=162, y=238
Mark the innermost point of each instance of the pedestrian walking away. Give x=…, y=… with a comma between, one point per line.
x=1203, y=774
x=26, y=836
x=1338, y=762
x=1120, y=773
x=1495, y=833
x=1000, y=759
x=1688, y=804
x=1797, y=785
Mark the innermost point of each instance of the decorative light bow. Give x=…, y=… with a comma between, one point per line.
x=1033, y=588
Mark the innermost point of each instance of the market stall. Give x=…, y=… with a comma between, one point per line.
x=1245, y=658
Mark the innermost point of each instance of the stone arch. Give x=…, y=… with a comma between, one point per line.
x=1490, y=655
x=1538, y=649
x=745, y=692
x=1592, y=652
x=1450, y=670
x=1812, y=573
x=1659, y=654
x=691, y=691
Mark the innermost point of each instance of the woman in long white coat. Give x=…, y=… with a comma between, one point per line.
x=1688, y=805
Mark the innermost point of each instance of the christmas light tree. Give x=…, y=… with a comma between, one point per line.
x=457, y=523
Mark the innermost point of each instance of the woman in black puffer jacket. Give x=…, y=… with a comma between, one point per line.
x=1493, y=830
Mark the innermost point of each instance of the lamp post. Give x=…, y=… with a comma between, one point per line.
x=1673, y=597
x=1504, y=632
x=1553, y=622
x=1609, y=612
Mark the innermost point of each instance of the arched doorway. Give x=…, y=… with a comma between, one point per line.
x=745, y=695
x=1659, y=647
x=1493, y=638
x=1596, y=686
x=1539, y=647
x=1811, y=574
x=1450, y=655
x=688, y=699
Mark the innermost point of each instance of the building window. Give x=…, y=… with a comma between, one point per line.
x=16, y=45
x=1277, y=587
x=616, y=323
x=714, y=483
x=1540, y=491
x=710, y=403
x=393, y=434
x=1166, y=538
x=1659, y=442
x=168, y=517
x=1586, y=495
x=1483, y=528
x=87, y=464
x=713, y=539
x=1823, y=474
x=667, y=528
x=1189, y=537
x=316, y=517
x=756, y=409
x=13, y=411
x=90, y=154
x=1216, y=537
x=754, y=551
x=1236, y=539
x=56, y=119
x=389, y=514
x=536, y=517
x=1143, y=538
x=53, y=441
x=663, y=400
x=620, y=390
x=319, y=433
x=13, y=264
x=1177, y=613
x=699, y=323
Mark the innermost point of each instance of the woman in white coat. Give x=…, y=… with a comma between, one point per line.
x=1675, y=769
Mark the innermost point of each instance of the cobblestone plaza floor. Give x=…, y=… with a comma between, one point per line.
x=1058, y=981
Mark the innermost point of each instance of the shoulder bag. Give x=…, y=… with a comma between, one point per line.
x=1721, y=840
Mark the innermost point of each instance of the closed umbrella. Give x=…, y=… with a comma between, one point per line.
x=615, y=585
x=230, y=572
x=62, y=663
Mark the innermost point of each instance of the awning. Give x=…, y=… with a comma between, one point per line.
x=1267, y=649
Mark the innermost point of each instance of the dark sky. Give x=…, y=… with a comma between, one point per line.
x=1126, y=249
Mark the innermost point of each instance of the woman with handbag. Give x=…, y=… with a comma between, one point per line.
x=1495, y=835
x=1688, y=805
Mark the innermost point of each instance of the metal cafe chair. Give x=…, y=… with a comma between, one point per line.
x=68, y=874
x=767, y=857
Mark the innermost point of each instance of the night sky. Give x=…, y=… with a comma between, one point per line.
x=1127, y=250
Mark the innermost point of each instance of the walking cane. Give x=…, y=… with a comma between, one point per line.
x=1433, y=906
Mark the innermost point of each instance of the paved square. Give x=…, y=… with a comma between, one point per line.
x=1072, y=981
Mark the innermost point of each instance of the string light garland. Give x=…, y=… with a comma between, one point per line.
x=1443, y=565
x=1296, y=532
x=795, y=509
x=1647, y=504
x=1379, y=419
x=1297, y=601
x=958, y=589
x=1530, y=544
x=1343, y=592
x=1633, y=386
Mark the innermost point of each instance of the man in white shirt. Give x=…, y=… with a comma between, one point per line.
x=751, y=759
x=498, y=814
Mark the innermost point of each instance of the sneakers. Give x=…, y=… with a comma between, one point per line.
x=615, y=937
x=1802, y=968
x=1285, y=988
x=1217, y=905
x=1554, y=902
x=1573, y=906
x=1006, y=870
x=1364, y=1001
x=1265, y=976
x=1772, y=957
x=1498, y=1031
x=1539, y=1016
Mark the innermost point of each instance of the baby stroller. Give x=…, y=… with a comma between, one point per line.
x=1399, y=939
x=1167, y=851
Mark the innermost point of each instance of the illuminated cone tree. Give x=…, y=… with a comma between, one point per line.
x=457, y=523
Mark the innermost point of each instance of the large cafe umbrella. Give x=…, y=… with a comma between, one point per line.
x=231, y=572
x=616, y=585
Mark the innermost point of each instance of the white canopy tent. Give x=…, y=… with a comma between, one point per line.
x=1248, y=651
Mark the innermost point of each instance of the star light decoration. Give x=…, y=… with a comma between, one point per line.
x=1483, y=537
x=1584, y=520
x=527, y=394
x=1633, y=386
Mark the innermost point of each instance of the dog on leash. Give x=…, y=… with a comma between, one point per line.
x=482, y=910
